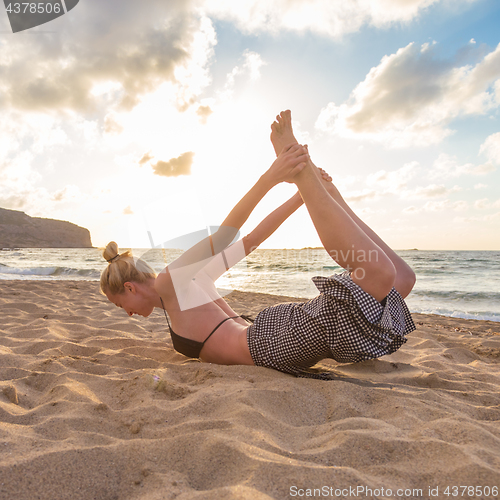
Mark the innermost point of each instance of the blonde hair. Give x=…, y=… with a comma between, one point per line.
x=122, y=267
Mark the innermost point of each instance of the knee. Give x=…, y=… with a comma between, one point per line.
x=405, y=281
x=387, y=275
x=411, y=279
x=376, y=279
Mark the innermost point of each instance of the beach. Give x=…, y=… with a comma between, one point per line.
x=97, y=405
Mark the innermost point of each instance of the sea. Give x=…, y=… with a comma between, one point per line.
x=461, y=284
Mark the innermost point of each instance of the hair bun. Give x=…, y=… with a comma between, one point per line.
x=111, y=251
x=125, y=268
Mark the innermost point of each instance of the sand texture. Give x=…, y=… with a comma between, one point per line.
x=96, y=405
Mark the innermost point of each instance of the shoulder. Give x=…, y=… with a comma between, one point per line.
x=165, y=288
x=163, y=282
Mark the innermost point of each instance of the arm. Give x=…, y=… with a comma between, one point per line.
x=271, y=223
x=197, y=257
x=183, y=270
x=239, y=250
x=289, y=162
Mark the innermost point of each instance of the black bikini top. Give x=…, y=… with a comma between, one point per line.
x=188, y=347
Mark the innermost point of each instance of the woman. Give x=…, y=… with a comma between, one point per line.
x=358, y=315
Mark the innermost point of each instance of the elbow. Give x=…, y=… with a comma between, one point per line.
x=249, y=244
x=223, y=237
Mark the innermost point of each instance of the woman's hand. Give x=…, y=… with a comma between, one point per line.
x=292, y=159
x=325, y=175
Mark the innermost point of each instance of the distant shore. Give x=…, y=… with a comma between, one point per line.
x=19, y=230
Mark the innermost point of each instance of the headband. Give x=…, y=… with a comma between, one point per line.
x=113, y=258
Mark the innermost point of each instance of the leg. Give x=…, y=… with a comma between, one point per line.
x=344, y=240
x=281, y=135
x=405, y=277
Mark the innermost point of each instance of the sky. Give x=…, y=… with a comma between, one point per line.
x=144, y=121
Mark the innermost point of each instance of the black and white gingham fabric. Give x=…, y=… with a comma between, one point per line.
x=343, y=323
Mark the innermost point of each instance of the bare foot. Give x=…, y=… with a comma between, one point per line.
x=282, y=135
x=281, y=131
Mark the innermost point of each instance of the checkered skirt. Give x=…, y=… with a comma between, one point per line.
x=343, y=323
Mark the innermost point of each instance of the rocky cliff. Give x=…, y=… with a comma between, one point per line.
x=18, y=230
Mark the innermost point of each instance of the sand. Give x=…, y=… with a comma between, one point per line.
x=96, y=405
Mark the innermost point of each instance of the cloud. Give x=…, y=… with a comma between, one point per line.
x=326, y=17
x=145, y=158
x=171, y=168
x=485, y=204
x=393, y=181
x=438, y=206
x=491, y=148
x=482, y=204
x=483, y=218
x=175, y=166
x=396, y=183
x=252, y=62
x=383, y=183
x=113, y=53
x=357, y=196
x=411, y=97
x=20, y=132
x=67, y=193
x=111, y=125
x=431, y=191
x=29, y=146
x=204, y=112
x=17, y=174
x=107, y=53
x=20, y=188
x=411, y=210
x=447, y=166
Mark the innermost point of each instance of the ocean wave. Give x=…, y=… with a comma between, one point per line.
x=55, y=271
x=433, y=271
x=286, y=267
x=457, y=295
x=442, y=311
x=30, y=271
x=443, y=277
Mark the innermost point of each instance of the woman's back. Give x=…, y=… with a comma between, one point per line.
x=228, y=344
